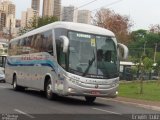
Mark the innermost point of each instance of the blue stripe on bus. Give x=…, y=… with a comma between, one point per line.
x=47, y=63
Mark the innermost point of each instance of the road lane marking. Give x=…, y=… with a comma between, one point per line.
x=107, y=111
x=136, y=104
x=26, y=114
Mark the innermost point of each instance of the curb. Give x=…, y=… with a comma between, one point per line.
x=156, y=108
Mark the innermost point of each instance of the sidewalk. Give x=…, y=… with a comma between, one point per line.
x=141, y=103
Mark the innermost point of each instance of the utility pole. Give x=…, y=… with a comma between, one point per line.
x=155, y=51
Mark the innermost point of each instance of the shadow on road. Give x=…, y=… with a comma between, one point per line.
x=61, y=99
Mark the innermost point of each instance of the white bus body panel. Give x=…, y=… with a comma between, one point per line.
x=31, y=69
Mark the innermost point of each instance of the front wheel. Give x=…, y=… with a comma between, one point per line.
x=48, y=90
x=90, y=99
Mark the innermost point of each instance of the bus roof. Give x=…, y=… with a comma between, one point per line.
x=70, y=26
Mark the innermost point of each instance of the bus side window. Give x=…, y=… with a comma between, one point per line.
x=46, y=44
x=49, y=42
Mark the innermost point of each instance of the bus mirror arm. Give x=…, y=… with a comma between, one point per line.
x=124, y=54
x=65, y=42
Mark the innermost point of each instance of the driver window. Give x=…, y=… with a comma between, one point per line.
x=60, y=54
x=107, y=56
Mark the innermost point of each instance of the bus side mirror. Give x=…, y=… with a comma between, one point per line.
x=65, y=42
x=122, y=51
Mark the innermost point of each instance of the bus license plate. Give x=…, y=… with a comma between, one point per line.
x=95, y=93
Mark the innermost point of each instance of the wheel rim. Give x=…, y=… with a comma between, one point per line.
x=49, y=90
x=14, y=84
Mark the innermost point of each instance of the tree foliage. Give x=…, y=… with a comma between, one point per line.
x=37, y=22
x=147, y=64
x=157, y=70
x=145, y=67
x=144, y=41
x=41, y=21
x=138, y=35
x=117, y=23
x=155, y=28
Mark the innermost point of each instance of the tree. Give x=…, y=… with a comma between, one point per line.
x=37, y=22
x=136, y=46
x=138, y=35
x=148, y=65
x=155, y=28
x=157, y=69
x=41, y=21
x=23, y=30
x=144, y=42
x=117, y=23
x=145, y=67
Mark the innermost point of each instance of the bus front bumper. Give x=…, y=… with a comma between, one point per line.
x=76, y=90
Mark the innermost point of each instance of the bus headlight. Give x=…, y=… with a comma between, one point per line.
x=70, y=90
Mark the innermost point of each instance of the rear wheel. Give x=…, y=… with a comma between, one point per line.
x=3, y=81
x=90, y=99
x=15, y=86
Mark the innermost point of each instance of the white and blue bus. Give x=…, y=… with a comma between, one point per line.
x=66, y=59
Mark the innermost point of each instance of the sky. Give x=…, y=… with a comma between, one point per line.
x=142, y=13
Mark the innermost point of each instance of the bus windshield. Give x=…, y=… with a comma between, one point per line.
x=92, y=56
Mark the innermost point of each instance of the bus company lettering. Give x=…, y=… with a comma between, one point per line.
x=34, y=57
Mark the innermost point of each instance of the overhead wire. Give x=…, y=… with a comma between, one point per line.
x=107, y=5
x=78, y=7
x=65, y=12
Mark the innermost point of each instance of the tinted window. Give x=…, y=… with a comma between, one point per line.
x=13, y=48
x=61, y=56
x=41, y=42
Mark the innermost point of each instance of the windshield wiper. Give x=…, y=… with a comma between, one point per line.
x=90, y=62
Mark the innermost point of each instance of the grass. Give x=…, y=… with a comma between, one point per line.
x=151, y=90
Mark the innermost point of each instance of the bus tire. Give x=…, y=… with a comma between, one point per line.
x=3, y=81
x=48, y=90
x=90, y=99
x=15, y=86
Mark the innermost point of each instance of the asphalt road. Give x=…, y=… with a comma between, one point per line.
x=31, y=104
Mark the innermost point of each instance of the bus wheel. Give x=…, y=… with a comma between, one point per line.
x=90, y=99
x=4, y=81
x=48, y=90
x=15, y=86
